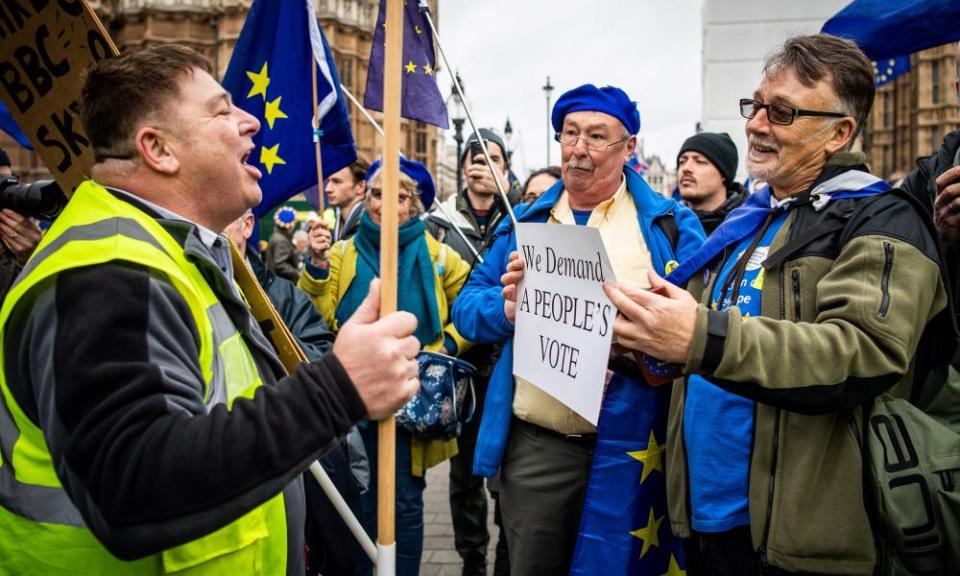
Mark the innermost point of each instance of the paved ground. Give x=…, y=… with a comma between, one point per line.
x=440, y=558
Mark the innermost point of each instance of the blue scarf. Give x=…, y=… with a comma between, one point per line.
x=417, y=291
x=745, y=220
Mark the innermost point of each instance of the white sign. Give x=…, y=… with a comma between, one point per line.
x=564, y=320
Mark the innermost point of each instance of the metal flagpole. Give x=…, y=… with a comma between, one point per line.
x=389, y=224
x=436, y=202
x=425, y=10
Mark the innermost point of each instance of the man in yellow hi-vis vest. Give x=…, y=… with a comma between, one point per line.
x=146, y=425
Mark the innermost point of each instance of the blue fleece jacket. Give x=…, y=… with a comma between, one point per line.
x=478, y=310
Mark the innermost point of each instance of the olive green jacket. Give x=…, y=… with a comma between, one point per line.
x=855, y=288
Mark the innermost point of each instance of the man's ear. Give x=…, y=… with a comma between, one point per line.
x=841, y=135
x=153, y=146
x=630, y=147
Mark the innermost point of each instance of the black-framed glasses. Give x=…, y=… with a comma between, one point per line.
x=780, y=113
x=595, y=143
x=377, y=194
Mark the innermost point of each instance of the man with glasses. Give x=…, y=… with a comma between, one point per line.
x=545, y=449
x=813, y=297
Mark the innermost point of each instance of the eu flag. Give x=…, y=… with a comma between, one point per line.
x=269, y=76
x=421, y=99
x=886, y=70
x=625, y=528
x=10, y=126
x=887, y=29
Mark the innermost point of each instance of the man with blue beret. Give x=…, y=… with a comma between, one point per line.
x=543, y=449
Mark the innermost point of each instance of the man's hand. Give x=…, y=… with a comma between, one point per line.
x=946, y=207
x=480, y=178
x=659, y=321
x=510, y=280
x=320, y=240
x=380, y=355
x=19, y=233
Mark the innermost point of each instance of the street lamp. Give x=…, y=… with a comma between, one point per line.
x=547, y=89
x=508, y=135
x=457, y=117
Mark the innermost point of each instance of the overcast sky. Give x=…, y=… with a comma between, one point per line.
x=505, y=49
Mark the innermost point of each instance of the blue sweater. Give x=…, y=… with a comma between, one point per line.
x=478, y=310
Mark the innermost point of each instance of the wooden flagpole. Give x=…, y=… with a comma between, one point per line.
x=386, y=449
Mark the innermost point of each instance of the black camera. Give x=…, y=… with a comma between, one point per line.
x=42, y=200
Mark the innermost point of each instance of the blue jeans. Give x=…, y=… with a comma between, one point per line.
x=409, y=502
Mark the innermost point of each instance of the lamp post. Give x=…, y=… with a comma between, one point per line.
x=457, y=117
x=547, y=89
x=508, y=135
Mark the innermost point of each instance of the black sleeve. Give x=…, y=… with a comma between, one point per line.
x=147, y=465
x=301, y=317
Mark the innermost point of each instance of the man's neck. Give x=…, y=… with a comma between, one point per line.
x=579, y=202
x=708, y=203
x=480, y=202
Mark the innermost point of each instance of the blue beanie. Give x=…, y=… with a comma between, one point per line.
x=609, y=100
x=417, y=172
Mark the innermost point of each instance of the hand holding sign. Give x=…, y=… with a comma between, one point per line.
x=659, y=321
x=511, y=281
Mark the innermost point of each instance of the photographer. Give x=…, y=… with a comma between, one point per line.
x=19, y=236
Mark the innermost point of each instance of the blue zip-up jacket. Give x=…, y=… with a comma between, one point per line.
x=478, y=310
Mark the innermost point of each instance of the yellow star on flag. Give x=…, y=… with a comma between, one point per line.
x=428, y=69
x=649, y=534
x=273, y=111
x=674, y=569
x=411, y=67
x=417, y=30
x=260, y=82
x=271, y=156
x=652, y=457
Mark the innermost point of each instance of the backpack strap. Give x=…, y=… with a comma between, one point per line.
x=668, y=225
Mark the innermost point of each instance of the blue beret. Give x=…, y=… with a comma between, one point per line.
x=417, y=172
x=609, y=100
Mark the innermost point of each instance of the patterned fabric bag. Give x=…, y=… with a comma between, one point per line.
x=445, y=400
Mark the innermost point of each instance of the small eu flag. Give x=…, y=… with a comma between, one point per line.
x=269, y=76
x=886, y=70
x=421, y=99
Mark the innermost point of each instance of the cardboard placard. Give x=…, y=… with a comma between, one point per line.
x=45, y=47
x=564, y=320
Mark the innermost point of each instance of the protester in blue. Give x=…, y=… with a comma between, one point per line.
x=546, y=450
x=813, y=297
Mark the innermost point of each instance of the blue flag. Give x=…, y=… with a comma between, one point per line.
x=885, y=71
x=421, y=99
x=625, y=528
x=887, y=29
x=269, y=76
x=10, y=126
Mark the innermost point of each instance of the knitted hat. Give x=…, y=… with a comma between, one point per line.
x=489, y=136
x=609, y=100
x=719, y=148
x=417, y=172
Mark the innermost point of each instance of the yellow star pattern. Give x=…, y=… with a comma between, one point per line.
x=674, y=569
x=652, y=457
x=428, y=69
x=649, y=534
x=270, y=157
x=273, y=111
x=417, y=30
x=410, y=67
x=260, y=82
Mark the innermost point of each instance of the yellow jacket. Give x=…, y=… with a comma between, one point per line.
x=450, y=273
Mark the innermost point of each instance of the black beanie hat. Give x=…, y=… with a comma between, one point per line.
x=719, y=148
